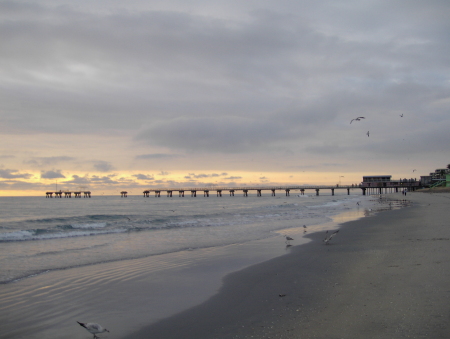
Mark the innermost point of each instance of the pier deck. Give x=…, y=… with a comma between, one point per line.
x=245, y=190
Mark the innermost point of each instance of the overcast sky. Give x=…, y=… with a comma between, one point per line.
x=115, y=95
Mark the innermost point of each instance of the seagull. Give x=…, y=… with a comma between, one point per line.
x=288, y=238
x=414, y=170
x=367, y=133
x=401, y=115
x=93, y=328
x=357, y=119
x=328, y=238
x=304, y=228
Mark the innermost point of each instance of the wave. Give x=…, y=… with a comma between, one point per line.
x=41, y=234
x=102, y=224
x=102, y=228
x=94, y=225
x=89, y=217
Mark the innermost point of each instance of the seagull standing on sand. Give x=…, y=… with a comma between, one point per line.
x=328, y=238
x=288, y=238
x=357, y=119
x=304, y=228
x=93, y=328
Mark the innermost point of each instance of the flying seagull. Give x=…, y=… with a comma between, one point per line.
x=328, y=237
x=93, y=328
x=401, y=115
x=357, y=119
x=367, y=133
x=288, y=238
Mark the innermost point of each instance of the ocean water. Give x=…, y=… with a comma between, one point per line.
x=129, y=262
x=39, y=234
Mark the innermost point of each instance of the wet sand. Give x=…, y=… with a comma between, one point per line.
x=386, y=276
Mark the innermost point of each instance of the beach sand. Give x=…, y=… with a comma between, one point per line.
x=386, y=276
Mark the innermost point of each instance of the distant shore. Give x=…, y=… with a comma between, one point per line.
x=385, y=276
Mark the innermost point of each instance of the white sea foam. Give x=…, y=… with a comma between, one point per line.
x=33, y=235
x=17, y=235
x=93, y=225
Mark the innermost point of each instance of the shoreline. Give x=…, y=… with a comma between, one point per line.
x=383, y=276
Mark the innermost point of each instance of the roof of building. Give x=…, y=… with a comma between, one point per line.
x=377, y=176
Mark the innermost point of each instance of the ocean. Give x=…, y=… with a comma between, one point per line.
x=136, y=260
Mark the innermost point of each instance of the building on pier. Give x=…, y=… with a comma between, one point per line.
x=378, y=184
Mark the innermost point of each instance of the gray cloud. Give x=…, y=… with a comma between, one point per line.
x=13, y=174
x=157, y=156
x=52, y=174
x=95, y=180
x=105, y=180
x=103, y=166
x=204, y=175
x=43, y=161
x=76, y=179
x=218, y=134
x=21, y=185
x=143, y=177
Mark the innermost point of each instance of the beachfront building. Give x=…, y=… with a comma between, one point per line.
x=437, y=178
x=371, y=179
x=440, y=174
x=426, y=180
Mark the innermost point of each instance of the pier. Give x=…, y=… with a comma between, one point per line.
x=371, y=185
x=219, y=191
x=68, y=194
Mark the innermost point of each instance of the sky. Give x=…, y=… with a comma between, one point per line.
x=110, y=95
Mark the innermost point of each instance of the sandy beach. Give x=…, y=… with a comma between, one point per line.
x=385, y=276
